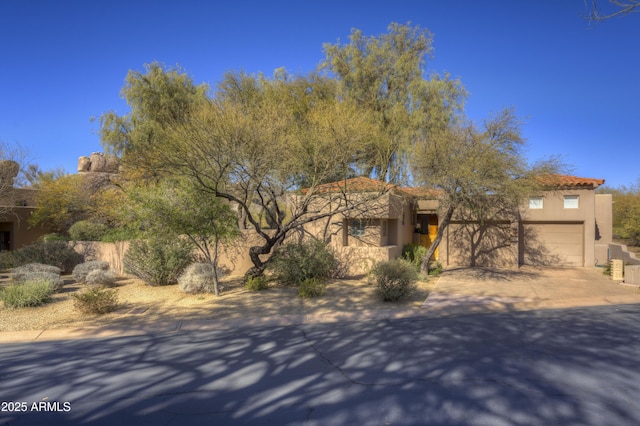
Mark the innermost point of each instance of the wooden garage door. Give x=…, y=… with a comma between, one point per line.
x=559, y=244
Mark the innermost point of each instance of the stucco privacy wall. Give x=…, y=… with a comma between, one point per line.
x=233, y=260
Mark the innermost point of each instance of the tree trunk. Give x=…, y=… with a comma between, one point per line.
x=254, y=254
x=214, y=262
x=424, y=266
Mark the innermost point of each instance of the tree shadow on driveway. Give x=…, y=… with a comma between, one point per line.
x=572, y=366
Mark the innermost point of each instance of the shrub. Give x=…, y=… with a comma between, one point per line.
x=158, y=261
x=6, y=260
x=256, y=283
x=197, y=278
x=413, y=253
x=53, y=279
x=85, y=230
x=38, y=272
x=35, y=267
x=394, y=279
x=435, y=268
x=96, y=300
x=56, y=253
x=293, y=263
x=81, y=270
x=33, y=292
x=311, y=287
x=101, y=277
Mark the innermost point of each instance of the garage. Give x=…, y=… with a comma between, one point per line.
x=552, y=243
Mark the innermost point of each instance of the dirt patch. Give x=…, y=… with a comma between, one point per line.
x=140, y=303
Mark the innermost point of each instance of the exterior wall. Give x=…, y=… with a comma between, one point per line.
x=16, y=223
x=553, y=212
x=470, y=244
x=604, y=227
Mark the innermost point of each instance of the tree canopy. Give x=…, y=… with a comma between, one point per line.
x=264, y=145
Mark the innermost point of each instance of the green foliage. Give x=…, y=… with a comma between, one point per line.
x=258, y=283
x=394, y=279
x=96, y=301
x=385, y=75
x=413, y=253
x=6, y=260
x=81, y=270
x=101, y=278
x=197, y=278
x=56, y=253
x=52, y=278
x=626, y=212
x=85, y=230
x=175, y=206
x=121, y=233
x=435, y=268
x=293, y=263
x=33, y=292
x=311, y=287
x=158, y=261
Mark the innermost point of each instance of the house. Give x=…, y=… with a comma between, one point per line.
x=566, y=224
x=16, y=206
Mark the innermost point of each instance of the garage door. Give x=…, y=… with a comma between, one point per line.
x=559, y=244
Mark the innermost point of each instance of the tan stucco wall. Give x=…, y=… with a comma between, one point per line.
x=604, y=222
x=17, y=222
x=553, y=211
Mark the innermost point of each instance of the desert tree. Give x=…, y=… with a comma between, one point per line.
x=256, y=142
x=175, y=208
x=478, y=173
x=386, y=75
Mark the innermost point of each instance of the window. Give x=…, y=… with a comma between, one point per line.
x=536, y=202
x=356, y=227
x=571, y=202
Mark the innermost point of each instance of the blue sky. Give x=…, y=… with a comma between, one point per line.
x=576, y=85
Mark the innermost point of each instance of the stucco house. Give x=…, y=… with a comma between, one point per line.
x=16, y=206
x=566, y=224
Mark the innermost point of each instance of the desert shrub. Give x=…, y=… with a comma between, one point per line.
x=101, y=277
x=435, y=268
x=56, y=253
x=113, y=235
x=33, y=292
x=85, y=230
x=158, y=261
x=311, y=287
x=96, y=300
x=81, y=270
x=256, y=283
x=394, y=279
x=413, y=253
x=197, y=278
x=295, y=262
x=35, y=267
x=54, y=279
x=54, y=237
x=6, y=260
x=39, y=272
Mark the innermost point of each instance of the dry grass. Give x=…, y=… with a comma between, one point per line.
x=140, y=303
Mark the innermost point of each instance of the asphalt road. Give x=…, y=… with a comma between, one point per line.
x=554, y=367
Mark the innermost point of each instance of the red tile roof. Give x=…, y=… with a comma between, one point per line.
x=365, y=184
x=566, y=181
x=357, y=184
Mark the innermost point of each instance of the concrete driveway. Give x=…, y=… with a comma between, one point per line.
x=482, y=289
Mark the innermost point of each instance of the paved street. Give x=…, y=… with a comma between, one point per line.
x=568, y=366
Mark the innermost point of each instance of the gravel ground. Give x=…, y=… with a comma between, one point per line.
x=140, y=303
